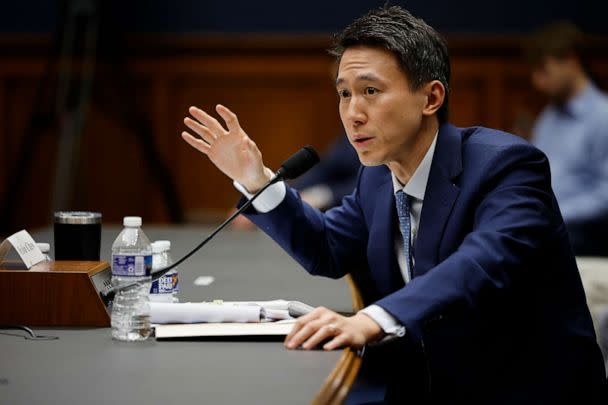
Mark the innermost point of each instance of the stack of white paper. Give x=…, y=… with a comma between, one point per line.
x=190, y=312
x=219, y=312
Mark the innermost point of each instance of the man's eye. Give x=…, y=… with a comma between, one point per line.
x=370, y=90
x=344, y=93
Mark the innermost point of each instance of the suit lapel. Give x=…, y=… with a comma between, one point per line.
x=381, y=249
x=439, y=198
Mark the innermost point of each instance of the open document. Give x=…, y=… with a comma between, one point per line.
x=217, y=330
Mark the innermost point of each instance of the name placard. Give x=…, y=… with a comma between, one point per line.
x=25, y=246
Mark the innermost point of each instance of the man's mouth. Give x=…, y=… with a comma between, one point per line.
x=363, y=140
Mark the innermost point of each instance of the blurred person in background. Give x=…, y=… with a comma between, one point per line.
x=573, y=132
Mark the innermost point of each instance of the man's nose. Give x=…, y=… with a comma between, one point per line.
x=356, y=112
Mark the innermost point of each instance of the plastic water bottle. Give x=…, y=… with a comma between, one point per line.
x=131, y=262
x=45, y=248
x=166, y=287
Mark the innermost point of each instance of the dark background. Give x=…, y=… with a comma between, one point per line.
x=266, y=60
x=237, y=16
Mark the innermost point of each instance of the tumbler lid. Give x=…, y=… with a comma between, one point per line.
x=77, y=217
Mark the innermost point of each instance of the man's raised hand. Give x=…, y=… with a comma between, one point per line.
x=231, y=151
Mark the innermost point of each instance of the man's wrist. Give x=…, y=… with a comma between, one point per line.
x=268, y=200
x=373, y=331
x=391, y=327
x=255, y=186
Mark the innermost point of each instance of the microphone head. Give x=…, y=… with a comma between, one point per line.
x=298, y=163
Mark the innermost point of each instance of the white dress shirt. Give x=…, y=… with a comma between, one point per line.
x=415, y=188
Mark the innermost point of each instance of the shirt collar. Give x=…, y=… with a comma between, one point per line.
x=578, y=104
x=416, y=187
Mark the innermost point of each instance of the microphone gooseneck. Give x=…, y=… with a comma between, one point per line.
x=296, y=165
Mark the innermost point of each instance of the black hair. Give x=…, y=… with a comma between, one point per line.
x=421, y=52
x=557, y=40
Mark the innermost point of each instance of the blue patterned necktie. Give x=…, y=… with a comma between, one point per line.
x=405, y=226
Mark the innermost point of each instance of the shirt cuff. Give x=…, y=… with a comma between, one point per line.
x=387, y=322
x=268, y=200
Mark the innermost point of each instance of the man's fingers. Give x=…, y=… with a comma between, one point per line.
x=303, y=320
x=307, y=325
x=300, y=323
x=336, y=342
x=196, y=143
x=203, y=131
x=323, y=333
x=294, y=330
x=230, y=118
x=307, y=330
x=318, y=312
x=207, y=120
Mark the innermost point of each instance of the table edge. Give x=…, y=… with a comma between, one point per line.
x=338, y=383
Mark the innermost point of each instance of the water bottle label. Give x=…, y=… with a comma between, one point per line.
x=131, y=266
x=164, y=285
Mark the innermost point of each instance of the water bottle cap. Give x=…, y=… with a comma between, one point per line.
x=160, y=246
x=132, y=221
x=44, y=247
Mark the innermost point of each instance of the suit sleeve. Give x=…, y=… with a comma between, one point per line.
x=329, y=244
x=513, y=218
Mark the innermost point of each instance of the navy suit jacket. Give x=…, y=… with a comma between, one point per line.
x=496, y=303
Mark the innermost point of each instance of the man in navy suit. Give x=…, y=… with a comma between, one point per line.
x=453, y=234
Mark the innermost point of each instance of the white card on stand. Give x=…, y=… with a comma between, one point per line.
x=25, y=246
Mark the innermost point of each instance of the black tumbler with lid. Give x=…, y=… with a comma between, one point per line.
x=77, y=235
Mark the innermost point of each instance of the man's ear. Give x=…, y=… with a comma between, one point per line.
x=435, y=97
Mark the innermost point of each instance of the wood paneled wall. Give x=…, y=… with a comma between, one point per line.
x=280, y=87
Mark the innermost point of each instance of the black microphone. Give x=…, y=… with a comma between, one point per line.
x=296, y=165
